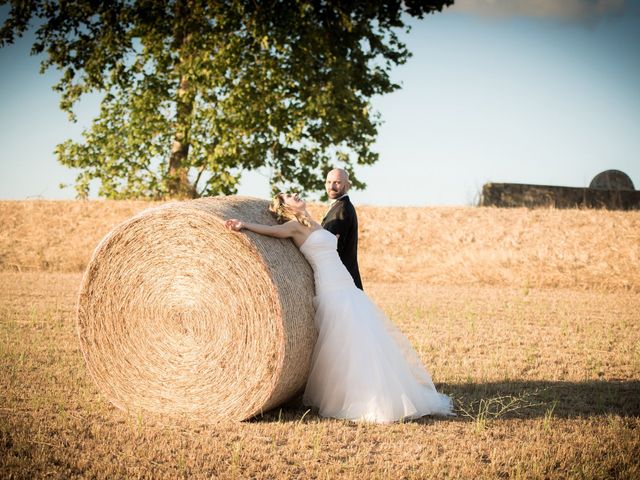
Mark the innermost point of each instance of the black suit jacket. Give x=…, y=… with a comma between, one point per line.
x=342, y=220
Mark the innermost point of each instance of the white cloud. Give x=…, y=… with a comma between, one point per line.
x=570, y=10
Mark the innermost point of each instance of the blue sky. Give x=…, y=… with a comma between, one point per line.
x=520, y=91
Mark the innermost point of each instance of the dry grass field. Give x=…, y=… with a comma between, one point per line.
x=530, y=319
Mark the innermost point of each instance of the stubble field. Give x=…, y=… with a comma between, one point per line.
x=530, y=319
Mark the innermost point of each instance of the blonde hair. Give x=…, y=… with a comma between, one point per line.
x=283, y=212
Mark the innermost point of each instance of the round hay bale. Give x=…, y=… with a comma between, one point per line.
x=612, y=180
x=179, y=316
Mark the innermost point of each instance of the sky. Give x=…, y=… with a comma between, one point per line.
x=540, y=91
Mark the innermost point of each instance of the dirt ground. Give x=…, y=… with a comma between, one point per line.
x=546, y=384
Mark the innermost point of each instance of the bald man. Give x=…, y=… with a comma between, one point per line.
x=342, y=221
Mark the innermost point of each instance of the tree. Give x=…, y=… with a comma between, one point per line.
x=196, y=92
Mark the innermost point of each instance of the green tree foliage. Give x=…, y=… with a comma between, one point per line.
x=196, y=92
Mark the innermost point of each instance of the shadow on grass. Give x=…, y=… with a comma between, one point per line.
x=529, y=399
x=568, y=399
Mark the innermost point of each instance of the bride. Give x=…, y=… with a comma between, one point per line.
x=362, y=367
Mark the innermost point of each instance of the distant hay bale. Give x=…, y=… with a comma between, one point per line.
x=179, y=316
x=612, y=180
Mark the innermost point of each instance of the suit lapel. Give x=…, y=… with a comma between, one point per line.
x=333, y=207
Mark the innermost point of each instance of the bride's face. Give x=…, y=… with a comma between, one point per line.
x=293, y=201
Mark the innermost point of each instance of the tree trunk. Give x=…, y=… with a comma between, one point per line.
x=178, y=181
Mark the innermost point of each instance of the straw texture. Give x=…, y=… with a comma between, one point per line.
x=179, y=316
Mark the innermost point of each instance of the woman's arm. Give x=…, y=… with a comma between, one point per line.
x=291, y=229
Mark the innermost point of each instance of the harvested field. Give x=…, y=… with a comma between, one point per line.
x=541, y=353
x=438, y=245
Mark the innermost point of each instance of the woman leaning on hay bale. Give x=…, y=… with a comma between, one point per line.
x=362, y=367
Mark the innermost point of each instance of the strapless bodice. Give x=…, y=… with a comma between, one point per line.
x=320, y=250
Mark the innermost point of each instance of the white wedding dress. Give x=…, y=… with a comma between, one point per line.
x=363, y=368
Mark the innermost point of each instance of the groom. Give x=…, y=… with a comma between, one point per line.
x=342, y=221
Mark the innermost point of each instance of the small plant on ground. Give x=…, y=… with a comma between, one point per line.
x=486, y=409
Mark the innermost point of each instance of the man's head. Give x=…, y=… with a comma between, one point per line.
x=337, y=183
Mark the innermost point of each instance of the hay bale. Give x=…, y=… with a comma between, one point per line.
x=179, y=316
x=612, y=180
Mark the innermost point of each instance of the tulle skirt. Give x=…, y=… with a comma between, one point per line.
x=363, y=368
